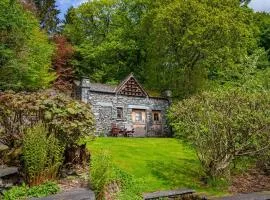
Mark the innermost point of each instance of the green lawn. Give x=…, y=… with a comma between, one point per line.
x=161, y=163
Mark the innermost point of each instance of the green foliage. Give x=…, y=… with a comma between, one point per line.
x=104, y=174
x=183, y=46
x=223, y=126
x=252, y=75
x=25, y=52
x=130, y=187
x=22, y=192
x=16, y=193
x=100, y=171
x=263, y=21
x=68, y=119
x=42, y=155
x=107, y=38
x=196, y=41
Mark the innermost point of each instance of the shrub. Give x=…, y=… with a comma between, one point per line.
x=22, y=192
x=67, y=118
x=42, y=155
x=100, y=171
x=108, y=181
x=223, y=126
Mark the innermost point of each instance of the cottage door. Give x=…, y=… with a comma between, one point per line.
x=139, y=122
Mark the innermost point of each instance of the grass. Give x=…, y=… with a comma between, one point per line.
x=161, y=163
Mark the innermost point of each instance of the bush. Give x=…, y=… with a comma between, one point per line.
x=108, y=181
x=65, y=117
x=23, y=192
x=42, y=155
x=100, y=171
x=223, y=126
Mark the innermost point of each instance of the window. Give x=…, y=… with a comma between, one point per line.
x=156, y=116
x=138, y=117
x=119, y=113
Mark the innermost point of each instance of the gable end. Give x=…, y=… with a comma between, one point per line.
x=131, y=87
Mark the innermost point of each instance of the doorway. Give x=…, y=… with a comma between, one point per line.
x=139, y=122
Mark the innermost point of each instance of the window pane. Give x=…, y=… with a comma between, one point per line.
x=119, y=113
x=138, y=116
x=156, y=116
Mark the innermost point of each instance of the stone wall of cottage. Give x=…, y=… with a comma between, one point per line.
x=104, y=106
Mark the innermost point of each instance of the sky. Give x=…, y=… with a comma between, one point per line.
x=63, y=5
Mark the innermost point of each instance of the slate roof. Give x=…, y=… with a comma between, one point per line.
x=98, y=87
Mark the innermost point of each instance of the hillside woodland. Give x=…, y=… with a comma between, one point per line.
x=213, y=55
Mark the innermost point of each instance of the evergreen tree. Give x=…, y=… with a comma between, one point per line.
x=70, y=15
x=245, y=1
x=48, y=15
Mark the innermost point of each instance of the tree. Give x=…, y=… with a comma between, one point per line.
x=47, y=14
x=245, y=2
x=192, y=42
x=25, y=52
x=28, y=5
x=223, y=126
x=62, y=64
x=70, y=15
x=107, y=39
x=178, y=45
x=263, y=21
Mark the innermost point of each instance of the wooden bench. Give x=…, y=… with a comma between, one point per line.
x=169, y=194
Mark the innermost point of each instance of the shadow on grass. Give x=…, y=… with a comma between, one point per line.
x=180, y=173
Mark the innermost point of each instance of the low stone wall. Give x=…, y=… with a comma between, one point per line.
x=250, y=196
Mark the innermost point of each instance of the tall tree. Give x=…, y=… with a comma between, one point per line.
x=62, y=64
x=245, y=2
x=107, y=38
x=169, y=44
x=48, y=15
x=263, y=21
x=25, y=52
x=192, y=41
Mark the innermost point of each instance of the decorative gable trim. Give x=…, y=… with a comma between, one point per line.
x=131, y=87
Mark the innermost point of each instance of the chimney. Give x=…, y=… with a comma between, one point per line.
x=168, y=95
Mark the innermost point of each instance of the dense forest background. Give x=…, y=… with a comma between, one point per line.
x=187, y=47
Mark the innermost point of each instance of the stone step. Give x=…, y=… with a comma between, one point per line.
x=170, y=193
x=76, y=194
x=6, y=171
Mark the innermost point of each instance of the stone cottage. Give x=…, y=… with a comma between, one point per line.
x=128, y=106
